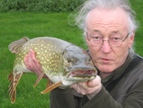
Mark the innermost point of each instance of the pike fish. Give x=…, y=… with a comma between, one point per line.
x=62, y=62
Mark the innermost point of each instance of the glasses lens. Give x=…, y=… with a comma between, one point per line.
x=96, y=42
x=115, y=43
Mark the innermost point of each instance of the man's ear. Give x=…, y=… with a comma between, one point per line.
x=131, y=39
x=87, y=40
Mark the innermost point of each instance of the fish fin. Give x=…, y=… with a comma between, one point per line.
x=14, y=46
x=50, y=88
x=49, y=83
x=39, y=79
x=14, y=79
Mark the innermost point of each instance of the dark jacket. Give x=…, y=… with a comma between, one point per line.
x=127, y=93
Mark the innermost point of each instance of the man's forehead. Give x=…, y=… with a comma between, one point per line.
x=110, y=18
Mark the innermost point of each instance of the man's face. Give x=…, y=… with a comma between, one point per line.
x=108, y=23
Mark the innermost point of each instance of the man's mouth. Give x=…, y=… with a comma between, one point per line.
x=105, y=60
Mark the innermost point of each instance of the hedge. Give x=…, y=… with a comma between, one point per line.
x=39, y=5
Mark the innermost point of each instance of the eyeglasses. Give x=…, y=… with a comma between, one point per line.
x=113, y=41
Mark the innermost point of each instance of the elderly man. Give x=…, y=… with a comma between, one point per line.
x=109, y=29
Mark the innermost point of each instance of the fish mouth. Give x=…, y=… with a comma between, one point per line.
x=79, y=75
x=82, y=73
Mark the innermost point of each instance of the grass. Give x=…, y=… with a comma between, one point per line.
x=16, y=25
x=138, y=7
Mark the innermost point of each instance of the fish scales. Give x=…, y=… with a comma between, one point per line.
x=47, y=50
x=62, y=62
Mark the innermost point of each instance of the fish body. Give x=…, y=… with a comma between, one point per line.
x=62, y=62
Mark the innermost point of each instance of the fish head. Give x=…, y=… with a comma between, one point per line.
x=78, y=65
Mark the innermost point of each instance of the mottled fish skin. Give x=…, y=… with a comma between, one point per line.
x=47, y=50
x=62, y=62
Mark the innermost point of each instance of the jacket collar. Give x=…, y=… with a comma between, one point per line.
x=118, y=72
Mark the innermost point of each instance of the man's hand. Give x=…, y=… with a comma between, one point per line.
x=32, y=63
x=89, y=88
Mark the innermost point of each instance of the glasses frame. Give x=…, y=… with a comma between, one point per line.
x=108, y=41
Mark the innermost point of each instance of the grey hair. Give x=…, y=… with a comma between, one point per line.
x=108, y=4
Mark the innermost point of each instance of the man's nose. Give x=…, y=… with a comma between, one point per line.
x=106, y=48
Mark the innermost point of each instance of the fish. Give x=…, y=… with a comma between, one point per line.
x=62, y=62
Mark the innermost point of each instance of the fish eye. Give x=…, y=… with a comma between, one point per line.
x=72, y=60
x=69, y=60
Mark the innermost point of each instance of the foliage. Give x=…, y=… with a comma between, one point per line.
x=39, y=5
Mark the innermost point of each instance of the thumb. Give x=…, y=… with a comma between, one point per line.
x=95, y=82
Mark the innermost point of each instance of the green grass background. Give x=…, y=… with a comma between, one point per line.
x=15, y=25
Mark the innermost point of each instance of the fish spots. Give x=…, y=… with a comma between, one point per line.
x=53, y=61
x=48, y=52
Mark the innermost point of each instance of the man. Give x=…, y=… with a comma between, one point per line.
x=109, y=29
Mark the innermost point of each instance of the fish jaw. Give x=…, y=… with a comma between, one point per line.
x=72, y=77
x=75, y=76
x=67, y=81
x=79, y=76
x=88, y=73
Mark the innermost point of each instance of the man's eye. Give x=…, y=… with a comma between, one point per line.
x=115, y=38
x=96, y=37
